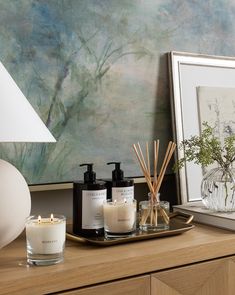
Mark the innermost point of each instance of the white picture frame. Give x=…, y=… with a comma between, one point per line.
x=188, y=71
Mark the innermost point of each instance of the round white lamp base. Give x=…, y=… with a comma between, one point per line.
x=15, y=203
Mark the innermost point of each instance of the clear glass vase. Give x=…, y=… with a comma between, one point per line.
x=218, y=189
x=153, y=214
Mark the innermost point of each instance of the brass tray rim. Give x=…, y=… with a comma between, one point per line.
x=186, y=226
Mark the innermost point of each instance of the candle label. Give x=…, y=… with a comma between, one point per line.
x=121, y=193
x=92, y=209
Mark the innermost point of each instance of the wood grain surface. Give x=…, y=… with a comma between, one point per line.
x=86, y=265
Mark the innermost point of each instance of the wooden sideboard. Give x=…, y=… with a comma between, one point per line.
x=199, y=261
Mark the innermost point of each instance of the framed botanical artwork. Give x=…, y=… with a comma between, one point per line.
x=203, y=90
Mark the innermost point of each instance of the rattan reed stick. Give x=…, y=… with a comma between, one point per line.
x=163, y=168
x=156, y=151
x=146, y=175
x=164, y=162
x=147, y=156
x=142, y=156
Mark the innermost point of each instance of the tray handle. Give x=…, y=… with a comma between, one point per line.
x=186, y=216
x=75, y=238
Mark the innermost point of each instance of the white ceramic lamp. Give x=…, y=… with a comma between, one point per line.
x=18, y=123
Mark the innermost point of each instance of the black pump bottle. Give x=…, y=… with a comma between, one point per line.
x=88, y=198
x=120, y=188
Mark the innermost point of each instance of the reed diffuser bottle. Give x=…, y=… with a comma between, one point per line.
x=153, y=213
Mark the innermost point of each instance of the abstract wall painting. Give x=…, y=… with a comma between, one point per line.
x=96, y=73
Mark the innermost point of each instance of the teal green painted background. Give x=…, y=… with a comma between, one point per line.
x=96, y=72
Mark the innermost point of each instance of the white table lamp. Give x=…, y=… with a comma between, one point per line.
x=18, y=123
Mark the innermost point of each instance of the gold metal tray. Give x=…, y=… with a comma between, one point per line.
x=179, y=223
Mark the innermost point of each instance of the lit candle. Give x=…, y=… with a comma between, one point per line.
x=45, y=239
x=119, y=217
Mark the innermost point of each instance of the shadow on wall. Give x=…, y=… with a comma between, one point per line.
x=162, y=100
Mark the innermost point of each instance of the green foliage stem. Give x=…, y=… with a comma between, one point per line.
x=207, y=149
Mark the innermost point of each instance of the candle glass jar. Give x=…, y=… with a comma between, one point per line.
x=119, y=218
x=154, y=215
x=45, y=237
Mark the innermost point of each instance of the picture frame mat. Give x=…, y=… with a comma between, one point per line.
x=188, y=71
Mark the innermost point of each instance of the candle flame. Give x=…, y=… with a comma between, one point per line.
x=52, y=217
x=125, y=201
x=39, y=218
x=115, y=202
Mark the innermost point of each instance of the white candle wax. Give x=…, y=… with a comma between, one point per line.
x=119, y=217
x=46, y=236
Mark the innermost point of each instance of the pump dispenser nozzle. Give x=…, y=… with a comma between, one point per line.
x=117, y=173
x=89, y=175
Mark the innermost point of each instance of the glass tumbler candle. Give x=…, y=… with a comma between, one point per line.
x=45, y=239
x=119, y=218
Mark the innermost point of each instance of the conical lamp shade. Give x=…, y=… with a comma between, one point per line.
x=18, y=120
x=18, y=123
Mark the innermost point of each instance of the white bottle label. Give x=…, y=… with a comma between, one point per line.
x=92, y=209
x=121, y=193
